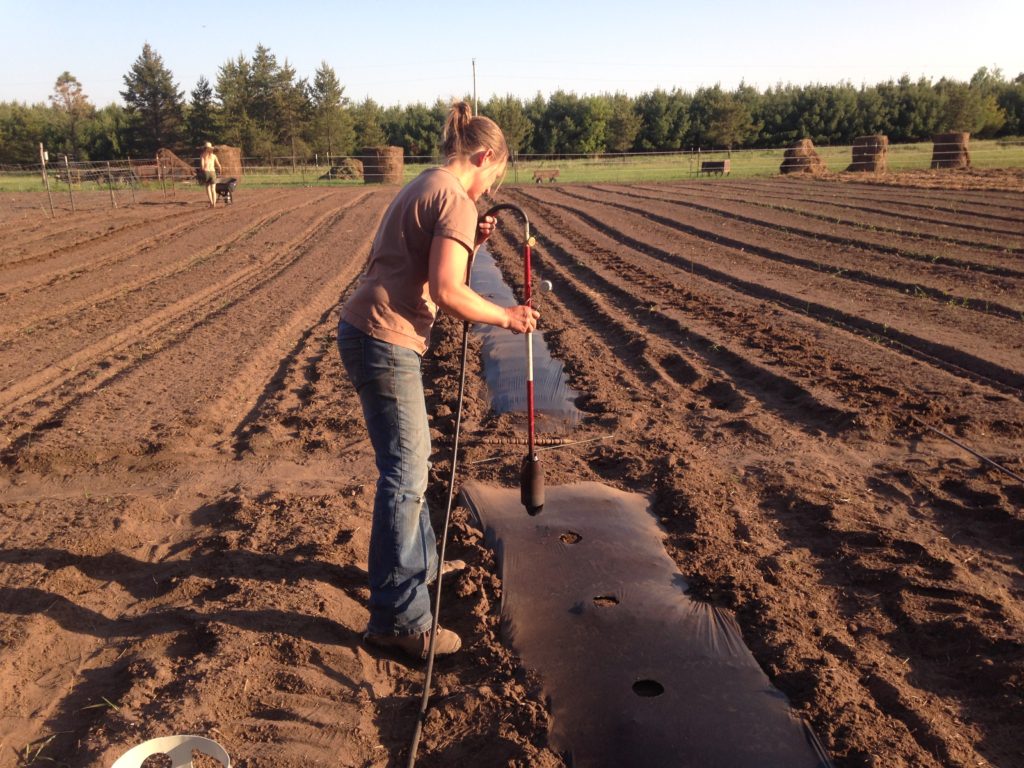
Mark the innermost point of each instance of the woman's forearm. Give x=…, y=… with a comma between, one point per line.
x=464, y=303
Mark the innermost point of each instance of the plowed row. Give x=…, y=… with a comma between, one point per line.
x=187, y=484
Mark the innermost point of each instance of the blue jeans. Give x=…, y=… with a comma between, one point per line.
x=403, y=549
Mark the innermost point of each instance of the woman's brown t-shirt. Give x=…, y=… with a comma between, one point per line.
x=392, y=301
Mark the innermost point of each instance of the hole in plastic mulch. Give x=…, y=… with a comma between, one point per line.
x=648, y=688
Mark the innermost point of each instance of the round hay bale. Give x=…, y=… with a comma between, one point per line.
x=870, y=154
x=230, y=161
x=347, y=168
x=382, y=165
x=949, y=150
x=801, y=158
x=172, y=167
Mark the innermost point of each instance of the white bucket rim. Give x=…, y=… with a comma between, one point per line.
x=178, y=748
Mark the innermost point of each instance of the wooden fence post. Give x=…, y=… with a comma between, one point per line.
x=110, y=186
x=46, y=180
x=71, y=194
x=131, y=180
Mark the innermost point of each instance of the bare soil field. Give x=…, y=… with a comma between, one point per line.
x=186, y=483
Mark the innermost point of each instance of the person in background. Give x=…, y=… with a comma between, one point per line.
x=418, y=263
x=210, y=167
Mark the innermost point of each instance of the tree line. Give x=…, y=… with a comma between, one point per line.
x=259, y=104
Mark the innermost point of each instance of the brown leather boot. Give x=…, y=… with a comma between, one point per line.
x=417, y=646
x=450, y=566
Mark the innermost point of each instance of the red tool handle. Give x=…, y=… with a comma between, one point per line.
x=528, y=301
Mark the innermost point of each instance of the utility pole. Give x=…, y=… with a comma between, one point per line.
x=475, y=110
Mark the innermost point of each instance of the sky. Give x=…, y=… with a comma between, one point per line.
x=399, y=52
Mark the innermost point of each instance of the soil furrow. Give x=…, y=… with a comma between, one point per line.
x=53, y=344
x=84, y=262
x=56, y=236
x=976, y=218
x=847, y=266
x=974, y=201
x=94, y=287
x=952, y=359
x=78, y=376
x=993, y=265
x=54, y=246
x=239, y=401
x=784, y=339
x=887, y=685
x=889, y=679
x=947, y=229
x=657, y=315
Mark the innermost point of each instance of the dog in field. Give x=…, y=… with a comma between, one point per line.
x=225, y=188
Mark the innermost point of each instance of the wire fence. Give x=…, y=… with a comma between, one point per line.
x=121, y=179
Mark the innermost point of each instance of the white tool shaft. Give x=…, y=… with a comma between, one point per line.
x=529, y=357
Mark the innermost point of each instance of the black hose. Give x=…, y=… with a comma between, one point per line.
x=425, y=701
x=510, y=207
x=970, y=450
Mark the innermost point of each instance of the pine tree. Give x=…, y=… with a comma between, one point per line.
x=154, y=104
x=508, y=113
x=292, y=110
x=623, y=124
x=1011, y=101
x=202, y=117
x=264, y=109
x=333, y=132
x=233, y=93
x=418, y=131
x=730, y=122
x=368, y=129
x=21, y=127
x=104, y=133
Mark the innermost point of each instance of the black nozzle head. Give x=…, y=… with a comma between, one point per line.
x=531, y=485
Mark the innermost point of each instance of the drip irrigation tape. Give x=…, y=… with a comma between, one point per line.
x=970, y=450
x=549, y=446
x=518, y=441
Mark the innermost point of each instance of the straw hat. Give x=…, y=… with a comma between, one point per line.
x=208, y=145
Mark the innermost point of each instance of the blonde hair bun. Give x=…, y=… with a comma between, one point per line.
x=465, y=133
